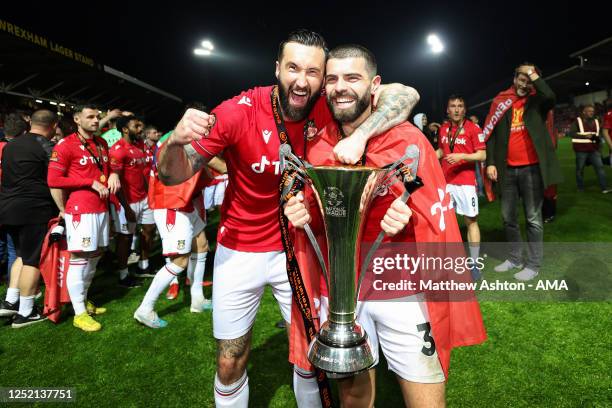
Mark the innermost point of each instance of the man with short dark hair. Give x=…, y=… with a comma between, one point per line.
x=394, y=322
x=461, y=145
x=522, y=159
x=80, y=181
x=250, y=128
x=26, y=207
x=14, y=126
x=585, y=134
x=129, y=162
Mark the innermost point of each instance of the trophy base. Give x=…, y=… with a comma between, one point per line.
x=341, y=350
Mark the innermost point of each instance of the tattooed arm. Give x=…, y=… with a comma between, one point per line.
x=178, y=160
x=178, y=163
x=395, y=102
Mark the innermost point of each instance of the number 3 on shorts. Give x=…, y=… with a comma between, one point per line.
x=426, y=327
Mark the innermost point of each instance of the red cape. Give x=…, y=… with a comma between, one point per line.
x=453, y=324
x=54, y=263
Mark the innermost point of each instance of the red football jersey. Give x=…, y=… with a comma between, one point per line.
x=130, y=162
x=469, y=140
x=246, y=132
x=72, y=167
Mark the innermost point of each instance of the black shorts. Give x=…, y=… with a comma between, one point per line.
x=28, y=240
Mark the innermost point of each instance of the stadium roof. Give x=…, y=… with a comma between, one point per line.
x=591, y=73
x=36, y=67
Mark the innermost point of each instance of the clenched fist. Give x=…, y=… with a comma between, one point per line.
x=296, y=211
x=397, y=217
x=194, y=125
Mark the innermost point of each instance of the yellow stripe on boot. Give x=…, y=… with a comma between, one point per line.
x=94, y=310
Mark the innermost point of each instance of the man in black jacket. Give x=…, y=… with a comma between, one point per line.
x=522, y=160
x=26, y=207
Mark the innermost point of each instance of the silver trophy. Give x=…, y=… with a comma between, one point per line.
x=344, y=193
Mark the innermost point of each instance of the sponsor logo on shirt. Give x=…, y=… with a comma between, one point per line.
x=458, y=141
x=260, y=167
x=266, y=135
x=245, y=100
x=83, y=161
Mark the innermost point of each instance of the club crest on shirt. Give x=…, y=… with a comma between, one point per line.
x=310, y=129
x=180, y=244
x=86, y=242
x=54, y=156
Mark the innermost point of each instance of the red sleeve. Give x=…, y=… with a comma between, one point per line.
x=57, y=179
x=58, y=166
x=608, y=120
x=116, y=155
x=477, y=137
x=230, y=119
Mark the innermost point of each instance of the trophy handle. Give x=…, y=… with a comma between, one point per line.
x=317, y=249
x=395, y=171
x=289, y=160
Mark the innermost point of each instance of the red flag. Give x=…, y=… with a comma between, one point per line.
x=161, y=196
x=54, y=263
x=453, y=324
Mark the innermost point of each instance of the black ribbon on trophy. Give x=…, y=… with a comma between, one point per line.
x=290, y=186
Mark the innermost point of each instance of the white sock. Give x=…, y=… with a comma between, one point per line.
x=162, y=279
x=191, y=266
x=75, y=283
x=143, y=263
x=26, y=304
x=474, y=250
x=12, y=295
x=123, y=273
x=175, y=280
x=305, y=388
x=197, y=292
x=235, y=395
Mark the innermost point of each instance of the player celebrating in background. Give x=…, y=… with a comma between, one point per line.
x=79, y=169
x=129, y=162
x=462, y=144
x=183, y=242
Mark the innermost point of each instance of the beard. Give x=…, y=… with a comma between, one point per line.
x=292, y=113
x=349, y=115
